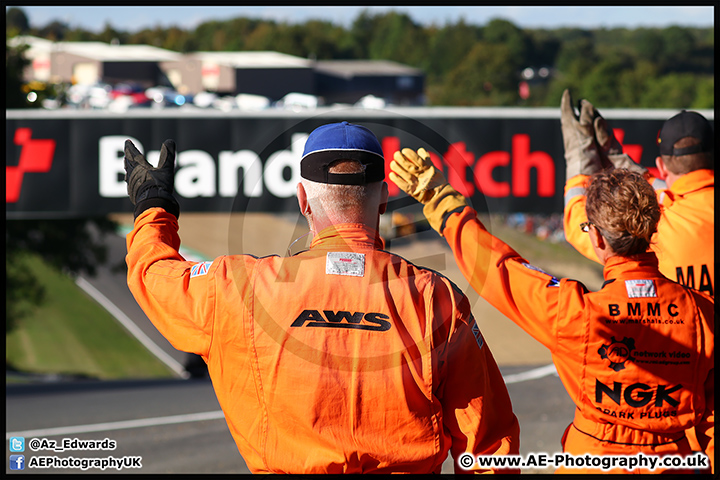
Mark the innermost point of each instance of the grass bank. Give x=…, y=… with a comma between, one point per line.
x=70, y=334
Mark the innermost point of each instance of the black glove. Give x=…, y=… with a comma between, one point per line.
x=148, y=186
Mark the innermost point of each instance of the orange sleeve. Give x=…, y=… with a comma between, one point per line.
x=477, y=410
x=179, y=306
x=522, y=292
x=574, y=214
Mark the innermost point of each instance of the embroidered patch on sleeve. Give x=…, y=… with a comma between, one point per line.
x=553, y=282
x=640, y=288
x=476, y=333
x=345, y=263
x=201, y=268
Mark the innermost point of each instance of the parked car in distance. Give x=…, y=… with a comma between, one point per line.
x=134, y=92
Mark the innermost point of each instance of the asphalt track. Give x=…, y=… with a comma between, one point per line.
x=176, y=426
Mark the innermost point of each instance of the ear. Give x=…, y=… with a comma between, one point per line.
x=302, y=200
x=384, y=194
x=662, y=168
x=596, y=238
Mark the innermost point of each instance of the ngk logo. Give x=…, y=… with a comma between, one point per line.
x=36, y=156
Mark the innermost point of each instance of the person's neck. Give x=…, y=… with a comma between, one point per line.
x=321, y=223
x=671, y=178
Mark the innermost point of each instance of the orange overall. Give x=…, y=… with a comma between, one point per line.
x=636, y=357
x=342, y=358
x=685, y=240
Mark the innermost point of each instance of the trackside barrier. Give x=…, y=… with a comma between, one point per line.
x=70, y=163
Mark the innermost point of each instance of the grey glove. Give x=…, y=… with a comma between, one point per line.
x=582, y=155
x=149, y=186
x=610, y=148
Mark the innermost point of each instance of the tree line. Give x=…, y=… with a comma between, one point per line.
x=465, y=64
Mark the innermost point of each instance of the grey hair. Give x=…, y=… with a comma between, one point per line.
x=340, y=203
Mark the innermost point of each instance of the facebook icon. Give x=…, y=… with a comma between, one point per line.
x=17, y=462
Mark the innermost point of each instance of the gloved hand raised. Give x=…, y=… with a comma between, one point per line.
x=610, y=148
x=150, y=186
x=415, y=174
x=582, y=155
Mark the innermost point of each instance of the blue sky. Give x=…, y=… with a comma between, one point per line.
x=134, y=18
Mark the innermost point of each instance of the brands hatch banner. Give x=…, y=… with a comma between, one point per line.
x=70, y=163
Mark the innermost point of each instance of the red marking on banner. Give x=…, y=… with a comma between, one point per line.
x=458, y=159
x=36, y=156
x=390, y=145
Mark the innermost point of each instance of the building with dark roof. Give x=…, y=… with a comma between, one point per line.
x=347, y=81
x=269, y=74
x=93, y=62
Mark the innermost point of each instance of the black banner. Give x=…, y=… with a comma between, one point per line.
x=70, y=163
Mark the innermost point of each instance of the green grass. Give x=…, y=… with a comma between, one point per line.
x=536, y=250
x=70, y=334
x=559, y=259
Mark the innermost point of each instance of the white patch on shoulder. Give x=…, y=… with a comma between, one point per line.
x=201, y=268
x=345, y=263
x=640, y=288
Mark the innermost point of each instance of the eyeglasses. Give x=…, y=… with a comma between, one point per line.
x=585, y=226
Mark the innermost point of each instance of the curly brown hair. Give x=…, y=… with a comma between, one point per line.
x=624, y=207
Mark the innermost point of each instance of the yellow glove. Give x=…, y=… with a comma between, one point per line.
x=415, y=174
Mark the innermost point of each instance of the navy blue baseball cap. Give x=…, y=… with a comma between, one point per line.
x=342, y=141
x=686, y=124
